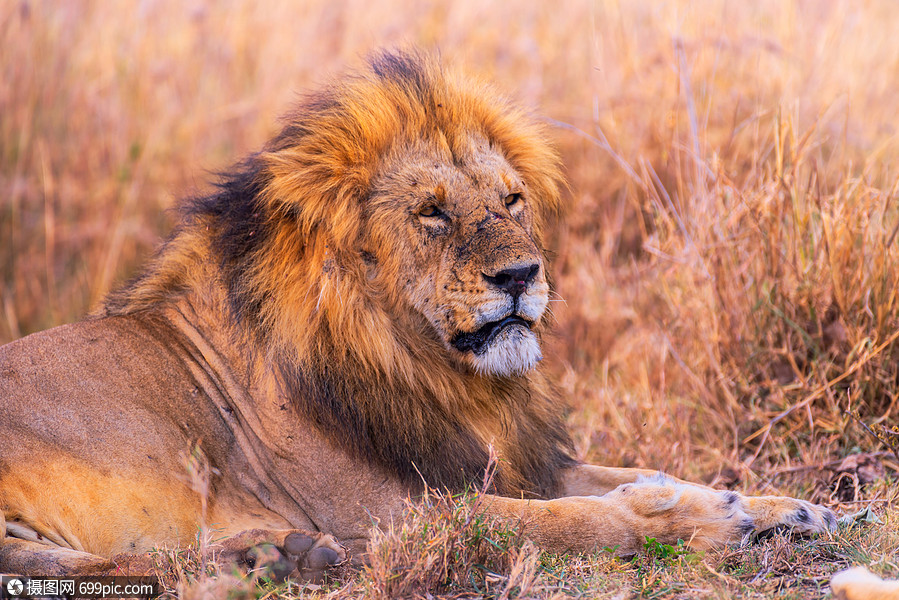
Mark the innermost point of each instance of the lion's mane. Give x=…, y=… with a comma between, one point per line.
x=285, y=238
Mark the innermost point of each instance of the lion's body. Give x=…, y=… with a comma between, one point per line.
x=103, y=465
x=113, y=433
x=360, y=307
x=65, y=474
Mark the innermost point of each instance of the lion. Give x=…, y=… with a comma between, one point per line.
x=357, y=311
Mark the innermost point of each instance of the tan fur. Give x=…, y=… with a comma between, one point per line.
x=359, y=307
x=860, y=584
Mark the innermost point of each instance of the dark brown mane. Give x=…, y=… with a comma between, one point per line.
x=410, y=433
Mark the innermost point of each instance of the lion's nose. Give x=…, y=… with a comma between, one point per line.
x=514, y=280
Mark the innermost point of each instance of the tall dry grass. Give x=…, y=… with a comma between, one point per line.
x=727, y=270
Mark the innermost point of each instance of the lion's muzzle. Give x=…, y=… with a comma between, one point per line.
x=502, y=341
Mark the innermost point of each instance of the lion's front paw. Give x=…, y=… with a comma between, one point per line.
x=776, y=513
x=277, y=555
x=669, y=510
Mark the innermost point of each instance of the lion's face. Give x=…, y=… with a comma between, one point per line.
x=455, y=234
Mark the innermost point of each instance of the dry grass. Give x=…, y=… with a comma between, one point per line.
x=727, y=272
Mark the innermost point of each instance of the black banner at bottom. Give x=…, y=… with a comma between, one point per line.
x=28, y=588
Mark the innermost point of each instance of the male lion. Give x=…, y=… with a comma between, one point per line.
x=357, y=309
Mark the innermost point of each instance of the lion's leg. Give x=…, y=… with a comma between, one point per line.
x=655, y=507
x=276, y=554
x=624, y=518
x=24, y=557
x=766, y=512
x=283, y=553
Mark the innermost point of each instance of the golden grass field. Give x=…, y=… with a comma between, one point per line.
x=727, y=272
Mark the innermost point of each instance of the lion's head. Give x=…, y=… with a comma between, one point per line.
x=387, y=244
x=453, y=226
x=432, y=193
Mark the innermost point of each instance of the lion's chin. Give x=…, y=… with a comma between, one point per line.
x=513, y=351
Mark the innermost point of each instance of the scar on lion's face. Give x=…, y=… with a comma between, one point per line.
x=466, y=257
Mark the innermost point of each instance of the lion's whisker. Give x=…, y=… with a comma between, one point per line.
x=559, y=299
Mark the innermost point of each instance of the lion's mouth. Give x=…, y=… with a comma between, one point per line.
x=477, y=341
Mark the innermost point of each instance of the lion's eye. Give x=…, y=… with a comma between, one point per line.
x=513, y=199
x=430, y=211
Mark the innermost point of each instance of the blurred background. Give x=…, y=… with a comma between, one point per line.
x=727, y=271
